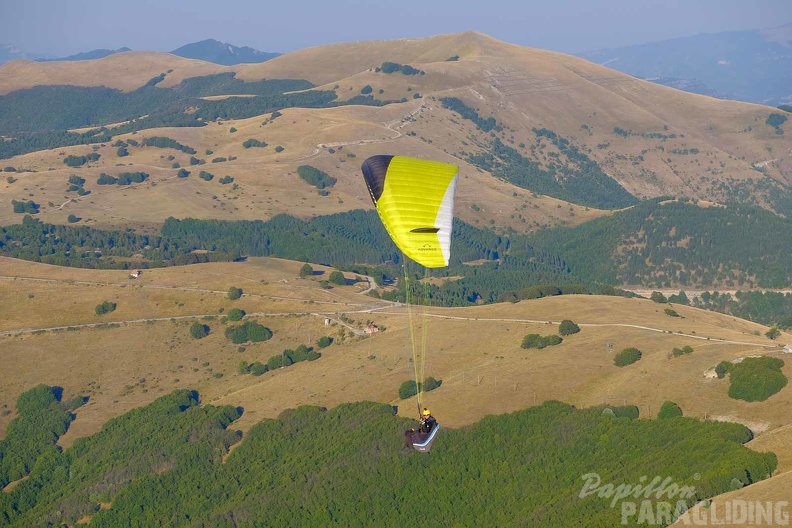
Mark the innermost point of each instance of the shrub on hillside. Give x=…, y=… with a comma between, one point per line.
x=628, y=356
x=756, y=379
x=127, y=178
x=253, y=143
x=658, y=297
x=669, y=410
x=235, y=314
x=315, y=177
x=258, y=368
x=29, y=207
x=106, y=179
x=306, y=271
x=538, y=341
x=431, y=384
x=723, y=368
x=198, y=330
x=670, y=312
x=75, y=161
x=324, y=342
x=105, y=308
x=249, y=331
x=206, y=176
x=337, y=278
x=568, y=327
x=687, y=349
x=773, y=333
x=234, y=293
x=408, y=389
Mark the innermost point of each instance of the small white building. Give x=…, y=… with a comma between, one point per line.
x=135, y=274
x=788, y=349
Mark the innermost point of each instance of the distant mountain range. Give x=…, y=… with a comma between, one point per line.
x=753, y=66
x=211, y=50
x=87, y=55
x=9, y=52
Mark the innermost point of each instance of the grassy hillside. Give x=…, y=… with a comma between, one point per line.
x=584, y=131
x=167, y=463
x=143, y=349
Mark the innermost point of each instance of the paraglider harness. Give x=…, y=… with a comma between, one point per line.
x=422, y=439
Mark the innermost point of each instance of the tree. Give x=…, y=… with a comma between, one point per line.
x=198, y=330
x=234, y=293
x=73, y=219
x=366, y=89
x=235, y=314
x=337, y=278
x=658, y=297
x=723, y=368
x=324, y=342
x=776, y=120
x=257, y=333
x=773, y=333
x=669, y=410
x=75, y=161
x=258, y=368
x=408, y=389
x=121, y=152
x=306, y=271
x=671, y=312
x=105, y=308
x=537, y=341
x=431, y=384
x=628, y=356
x=106, y=179
x=680, y=298
x=253, y=143
x=567, y=327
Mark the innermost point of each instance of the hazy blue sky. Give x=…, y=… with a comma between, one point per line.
x=62, y=27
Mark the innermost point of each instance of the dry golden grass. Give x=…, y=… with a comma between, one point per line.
x=475, y=351
x=523, y=88
x=124, y=71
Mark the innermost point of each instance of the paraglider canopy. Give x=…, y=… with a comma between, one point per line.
x=415, y=201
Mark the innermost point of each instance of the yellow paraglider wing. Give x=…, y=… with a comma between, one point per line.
x=415, y=201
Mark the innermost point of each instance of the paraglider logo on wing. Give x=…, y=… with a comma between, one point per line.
x=415, y=201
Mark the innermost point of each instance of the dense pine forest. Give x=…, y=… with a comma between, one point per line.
x=163, y=464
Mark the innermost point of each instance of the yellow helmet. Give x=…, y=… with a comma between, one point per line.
x=426, y=412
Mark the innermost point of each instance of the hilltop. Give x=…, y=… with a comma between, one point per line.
x=211, y=50
x=536, y=110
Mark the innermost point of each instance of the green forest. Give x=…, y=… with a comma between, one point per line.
x=39, y=118
x=162, y=464
x=661, y=243
x=656, y=243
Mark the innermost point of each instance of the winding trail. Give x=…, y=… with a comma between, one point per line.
x=365, y=308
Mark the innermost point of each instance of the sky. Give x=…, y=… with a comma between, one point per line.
x=64, y=27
